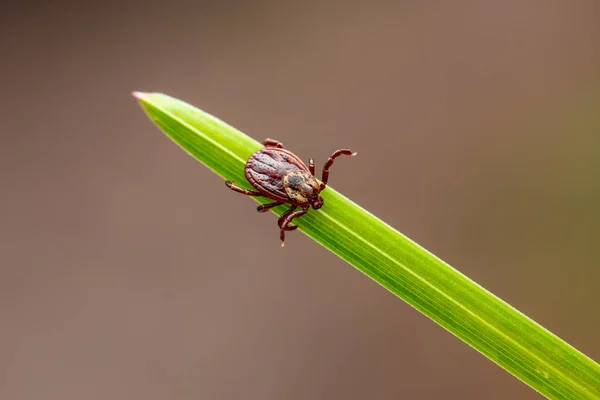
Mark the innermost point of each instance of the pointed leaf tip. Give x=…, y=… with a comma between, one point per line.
x=139, y=95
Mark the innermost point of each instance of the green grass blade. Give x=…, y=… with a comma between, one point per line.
x=482, y=320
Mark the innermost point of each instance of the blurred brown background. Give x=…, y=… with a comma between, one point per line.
x=478, y=131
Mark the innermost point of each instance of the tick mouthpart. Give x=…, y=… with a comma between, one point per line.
x=318, y=203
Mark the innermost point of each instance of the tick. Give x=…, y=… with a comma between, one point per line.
x=280, y=175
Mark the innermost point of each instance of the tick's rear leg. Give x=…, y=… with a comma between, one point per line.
x=231, y=185
x=266, y=207
x=311, y=166
x=285, y=223
x=329, y=163
x=273, y=143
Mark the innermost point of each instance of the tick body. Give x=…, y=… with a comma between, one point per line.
x=280, y=175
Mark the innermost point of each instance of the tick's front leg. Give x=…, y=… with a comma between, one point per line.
x=329, y=163
x=231, y=185
x=285, y=215
x=273, y=143
x=282, y=219
x=286, y=225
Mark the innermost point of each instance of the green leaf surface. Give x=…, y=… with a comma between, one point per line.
x=482, y=320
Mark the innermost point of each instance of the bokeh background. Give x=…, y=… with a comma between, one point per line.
x=129, y=271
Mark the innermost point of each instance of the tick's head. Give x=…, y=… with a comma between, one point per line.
x=302, y=188
x=317, y=201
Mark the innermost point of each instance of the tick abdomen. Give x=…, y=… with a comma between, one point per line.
x=266, y=169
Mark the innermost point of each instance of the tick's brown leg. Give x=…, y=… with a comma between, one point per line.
x=311, y=166
x=336, y=154
x=231, y=185
x=285, y=214
x=266, y=207
x=286, y=223
x=273, y=143
x=282, y=218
